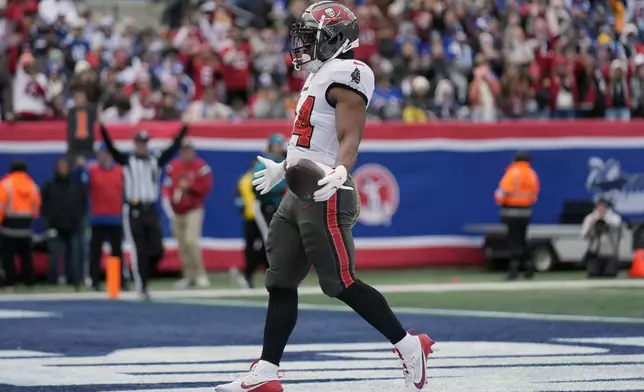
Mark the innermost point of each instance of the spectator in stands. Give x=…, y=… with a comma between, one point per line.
x=110, y=88
x=29, y=90
x=563, y=91
x=588, y=88
x=387, y=99
x=417, y=101
x=58, y=108
x=484, y=91
x=76, y=44
x=618, y=92
x=168, y=110
x=230, y=46
x=121, y=112
x=207, y=108
x=267, y=103
x=88, y=79
x=444, y=105
x=63, y=207
x=236, y=68
x=50, y=10
x=204, y=66
x=55, y=84
x=637, y=87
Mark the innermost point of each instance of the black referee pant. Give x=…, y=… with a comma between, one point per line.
x=254, y=252
x=10, y=247
x=517, y=228
x=255, y=233
x=142, y=229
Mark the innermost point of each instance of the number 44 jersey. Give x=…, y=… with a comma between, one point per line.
x=314, y=131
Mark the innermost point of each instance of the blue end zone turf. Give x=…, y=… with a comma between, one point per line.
x=128, y=346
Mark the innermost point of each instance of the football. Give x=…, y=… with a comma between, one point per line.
x=302, y=179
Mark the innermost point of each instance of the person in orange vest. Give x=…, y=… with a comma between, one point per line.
x=515, y=196
x=19, y=206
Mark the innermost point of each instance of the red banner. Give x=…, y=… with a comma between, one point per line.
x=55, y=131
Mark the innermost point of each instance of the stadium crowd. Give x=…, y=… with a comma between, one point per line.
x=477, y=60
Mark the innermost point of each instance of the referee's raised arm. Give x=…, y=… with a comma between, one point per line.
x=169, y=152
x=117, y=155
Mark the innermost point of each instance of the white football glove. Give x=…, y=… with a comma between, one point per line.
x=330, y=184
x=266, y=179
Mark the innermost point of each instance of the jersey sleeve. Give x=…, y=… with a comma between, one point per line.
x=352, y=75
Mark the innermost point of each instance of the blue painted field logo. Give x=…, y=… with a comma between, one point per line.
x=379, y=194
x=607, y=179
x=476, y=366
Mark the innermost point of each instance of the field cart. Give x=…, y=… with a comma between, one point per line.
x=549, y=245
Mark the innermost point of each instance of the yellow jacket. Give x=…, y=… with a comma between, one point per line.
x=245, y=188
x=414, y=115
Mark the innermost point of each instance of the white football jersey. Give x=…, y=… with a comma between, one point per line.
x=314, y=132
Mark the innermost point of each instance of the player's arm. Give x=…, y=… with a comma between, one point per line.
x=350, y=119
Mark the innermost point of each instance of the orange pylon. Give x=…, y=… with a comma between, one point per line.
x=637, y=268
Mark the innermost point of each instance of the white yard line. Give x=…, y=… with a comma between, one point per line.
x=314, y=290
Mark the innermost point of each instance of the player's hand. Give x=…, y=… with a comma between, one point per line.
x=331, y=183
x=266, y=179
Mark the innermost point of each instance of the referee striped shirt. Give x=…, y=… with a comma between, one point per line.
x=142, y=173
x=142, y=178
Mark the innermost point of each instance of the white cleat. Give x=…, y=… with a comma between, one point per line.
x=252, y=382
x=237, y=277
x=182, y=284
x=415, y=366
x=203, y=282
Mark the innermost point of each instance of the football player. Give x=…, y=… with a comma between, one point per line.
x=316, y=230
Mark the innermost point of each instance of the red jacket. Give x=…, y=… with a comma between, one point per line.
x=199, y=177
x=105, y=192
x=236, y=67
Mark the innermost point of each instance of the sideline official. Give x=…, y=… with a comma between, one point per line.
x=105, y=185
x=141, y=187
x=266, y=205
x=19, y=205
x=187, y=184
x=64, y=207
x=254, y=254
x=515, y=196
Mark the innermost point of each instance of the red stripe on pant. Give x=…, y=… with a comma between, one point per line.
x=338, y=242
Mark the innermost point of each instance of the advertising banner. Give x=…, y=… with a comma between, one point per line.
x=419, y=184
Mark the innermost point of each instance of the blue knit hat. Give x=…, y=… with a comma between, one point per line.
x=276, y=138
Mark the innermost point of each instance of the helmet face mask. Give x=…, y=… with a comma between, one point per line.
x=304, y=44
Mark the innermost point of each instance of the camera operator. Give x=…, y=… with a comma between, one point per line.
x=602, y=228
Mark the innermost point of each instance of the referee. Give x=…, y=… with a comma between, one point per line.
x=141, y=185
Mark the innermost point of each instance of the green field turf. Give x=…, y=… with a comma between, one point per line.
x=602, y=302
x=222, y=280
x=618, y=302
